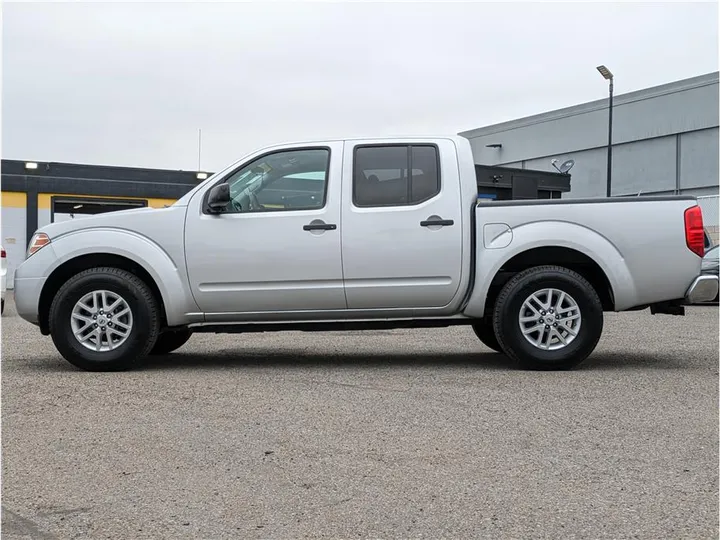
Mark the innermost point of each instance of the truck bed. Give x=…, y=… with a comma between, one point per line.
x=637, y=242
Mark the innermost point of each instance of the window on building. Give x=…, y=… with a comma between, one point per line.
x=381, y=176
x=63, y=208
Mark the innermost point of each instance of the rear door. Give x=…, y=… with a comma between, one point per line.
x=401, y=226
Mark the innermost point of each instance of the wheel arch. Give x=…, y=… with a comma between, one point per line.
x=566, y=257
x=76, y=265
x=119, y=249
x=494, y=271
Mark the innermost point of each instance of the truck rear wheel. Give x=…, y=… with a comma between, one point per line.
x=486, y=334
x=104, y=319
x=548, y=318
x=169, y=341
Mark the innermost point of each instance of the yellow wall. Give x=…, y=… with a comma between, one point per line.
x=159, y=203
x=13, y=199
x=44, y=199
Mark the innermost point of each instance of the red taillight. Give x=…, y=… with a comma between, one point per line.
x=694, y=231
x=2, y=254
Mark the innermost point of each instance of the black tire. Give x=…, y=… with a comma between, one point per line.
x=2, y=306
x=486, y=334
x=169, y=341
x=145, y=313
x=508, y=308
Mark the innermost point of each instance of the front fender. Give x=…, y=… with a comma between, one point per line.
x=171, y=279
x=540, y=234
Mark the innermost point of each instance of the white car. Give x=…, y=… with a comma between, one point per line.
x=3, y=278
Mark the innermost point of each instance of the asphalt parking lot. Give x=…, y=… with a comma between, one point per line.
x=392, y=434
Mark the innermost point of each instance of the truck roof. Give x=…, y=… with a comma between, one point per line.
x=453, y=137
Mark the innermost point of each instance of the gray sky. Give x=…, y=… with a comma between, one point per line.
x=131, y=83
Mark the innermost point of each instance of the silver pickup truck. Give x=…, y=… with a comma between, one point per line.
x=359, y=234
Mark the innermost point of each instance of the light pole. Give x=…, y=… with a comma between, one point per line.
x=605, y=72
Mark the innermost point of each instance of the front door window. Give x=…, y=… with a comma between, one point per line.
x=289, y=180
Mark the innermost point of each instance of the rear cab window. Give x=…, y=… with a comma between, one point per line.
x=395, y=175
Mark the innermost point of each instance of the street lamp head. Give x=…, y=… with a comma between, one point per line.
x=605, y=72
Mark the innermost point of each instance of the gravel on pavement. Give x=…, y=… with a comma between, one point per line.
x=376, y=434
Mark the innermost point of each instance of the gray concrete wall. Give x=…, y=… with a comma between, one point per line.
x=665, y=140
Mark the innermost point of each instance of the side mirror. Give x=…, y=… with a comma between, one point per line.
x=219, y=197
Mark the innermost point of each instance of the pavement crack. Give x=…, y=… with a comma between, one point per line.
x=64, y=512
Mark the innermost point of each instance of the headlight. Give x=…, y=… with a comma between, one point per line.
x=38, y=240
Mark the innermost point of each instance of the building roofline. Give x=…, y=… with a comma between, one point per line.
x=118, y=168
x=598, y=104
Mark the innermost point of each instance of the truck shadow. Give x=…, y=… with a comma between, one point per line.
x=476, y=361
x=258, y=358
x=270, y=358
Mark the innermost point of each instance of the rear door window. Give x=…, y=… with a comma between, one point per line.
x=395, y=175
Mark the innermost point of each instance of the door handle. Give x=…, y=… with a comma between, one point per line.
x=440, y=222
x=319, y=227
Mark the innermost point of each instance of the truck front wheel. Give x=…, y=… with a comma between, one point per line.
x=104, y=319
x=548, y=318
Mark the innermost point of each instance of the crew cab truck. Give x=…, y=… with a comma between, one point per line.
x=359, y=234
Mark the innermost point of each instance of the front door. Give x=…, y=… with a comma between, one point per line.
x=401, y=225
x=276, y=248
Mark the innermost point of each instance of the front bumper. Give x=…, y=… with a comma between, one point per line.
x=703, y=289
x=27, y=297
x=30, y=277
